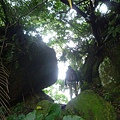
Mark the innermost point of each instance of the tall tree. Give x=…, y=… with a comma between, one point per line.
x=101, y=28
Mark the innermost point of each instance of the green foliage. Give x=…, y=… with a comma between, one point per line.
x=19, y=108
x=72, y=117
x=16, y=117
x=85, y=86
x=108, y=74
x=31, y=115
x=107, y=96
x=56, y=91
x=113, y=95
x=113, y=28
x=17, y=112
x=53, y=113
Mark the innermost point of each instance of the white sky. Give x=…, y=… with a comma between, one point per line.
x=103, y=8
x=62, y=70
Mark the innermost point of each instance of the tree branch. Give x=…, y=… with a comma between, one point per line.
x=91, y=19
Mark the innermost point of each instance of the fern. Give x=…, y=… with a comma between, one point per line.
x=4, y=74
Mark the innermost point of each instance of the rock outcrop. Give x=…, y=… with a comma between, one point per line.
x=37, y=69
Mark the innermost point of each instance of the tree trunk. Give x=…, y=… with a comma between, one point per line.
x=90, y=69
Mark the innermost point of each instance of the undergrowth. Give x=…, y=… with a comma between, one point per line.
x=54, y=113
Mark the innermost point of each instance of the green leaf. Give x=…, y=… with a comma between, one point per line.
x=49, y=117
x=39, y=117
x=30, y=116
x=117, y=29
x=55, y=110
x=20, y=117
x=12, y=117
x=72, y=117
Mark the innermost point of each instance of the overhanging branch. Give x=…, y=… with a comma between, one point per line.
x=91, y=17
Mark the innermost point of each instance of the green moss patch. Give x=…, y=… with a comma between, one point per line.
x=91, y=107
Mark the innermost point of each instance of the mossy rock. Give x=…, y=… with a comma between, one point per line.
x=90, y=106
